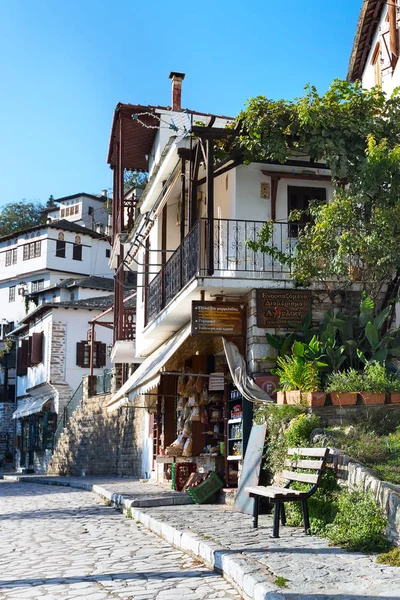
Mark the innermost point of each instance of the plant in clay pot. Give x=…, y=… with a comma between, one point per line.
x=375, y=382
x=299, y=377
x=343, y=387
x=394, y=389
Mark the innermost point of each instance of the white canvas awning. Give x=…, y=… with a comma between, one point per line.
x=31, y=407
x=147, y=376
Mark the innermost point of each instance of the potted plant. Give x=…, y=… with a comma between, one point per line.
x=343, y=387
x=394, y=389
x=375, y=383
x=299, y=380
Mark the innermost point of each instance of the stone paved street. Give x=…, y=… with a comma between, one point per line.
x=62, y=543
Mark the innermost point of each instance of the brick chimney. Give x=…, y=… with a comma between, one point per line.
x=177, y=79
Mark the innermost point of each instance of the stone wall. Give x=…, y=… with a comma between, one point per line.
x=387, y=495
x=96, y=442
x=6, y=431
x=257, y=347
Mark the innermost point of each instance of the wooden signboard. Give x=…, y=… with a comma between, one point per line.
x=280, y=308
x=250, y=474
x=217, y=318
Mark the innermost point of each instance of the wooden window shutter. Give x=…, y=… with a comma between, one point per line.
x=80, y=354
x=394, y=41
x=29, y=363
x=22, y=367
x=101, y=354
x=37, y=348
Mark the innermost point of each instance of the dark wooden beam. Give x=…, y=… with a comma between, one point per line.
x=218, y=172
x=302, y=176
x=274, y=191
x=210, y=206
x=192, y=209
x=213, y=132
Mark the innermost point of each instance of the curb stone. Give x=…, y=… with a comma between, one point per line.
x=249, y=580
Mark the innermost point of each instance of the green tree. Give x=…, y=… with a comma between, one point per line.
x=17, y=216
x=357, y=133
x=134, y=179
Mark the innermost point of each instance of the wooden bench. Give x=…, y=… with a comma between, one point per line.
x=302, y=461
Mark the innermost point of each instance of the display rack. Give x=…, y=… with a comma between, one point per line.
x=239, y=419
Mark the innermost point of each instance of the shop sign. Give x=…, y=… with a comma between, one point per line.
x=216, y=382
x=281, y=308
x=268, y=383
x=217, y=318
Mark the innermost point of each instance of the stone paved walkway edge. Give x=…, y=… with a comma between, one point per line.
x=237, y=569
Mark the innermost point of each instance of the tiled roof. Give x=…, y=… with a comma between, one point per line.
x=368, y=21
x=60, y=224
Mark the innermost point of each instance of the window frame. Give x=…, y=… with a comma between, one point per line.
x=11, y=293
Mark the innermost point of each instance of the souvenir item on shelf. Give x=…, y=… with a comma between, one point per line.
x=215, y=415
x=204, y=416
x=187, y=429
x=215, y=399
x=214, y=449
x=195, y=413
x=236, y=411
x=189, y=386
x=182, y=380
x=176, y=448
x=203, y=400
x=187, y=449
x=216, y=428
x=187, y=411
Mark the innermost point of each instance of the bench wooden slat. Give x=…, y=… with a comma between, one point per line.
x=305, y=477
x=271, y=492
x=304, y=464
x=317, y=452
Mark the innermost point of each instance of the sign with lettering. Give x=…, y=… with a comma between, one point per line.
x=280, y=308
x=217, y=318
x=268, y=383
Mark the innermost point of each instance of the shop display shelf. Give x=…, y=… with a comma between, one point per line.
x=235, y=457
x=232, y=421
x=235, y=439
x=206, y=489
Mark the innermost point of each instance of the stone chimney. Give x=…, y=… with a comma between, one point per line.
x=177, y=79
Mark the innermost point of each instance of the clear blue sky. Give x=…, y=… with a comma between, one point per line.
x=64, y=65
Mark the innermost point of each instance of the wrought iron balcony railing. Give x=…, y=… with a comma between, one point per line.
x=231, y=258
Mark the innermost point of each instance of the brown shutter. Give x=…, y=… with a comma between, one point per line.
x=101, y=355
x=23, y=353
x=29, y=362
x=80, y=354
x=37, y=348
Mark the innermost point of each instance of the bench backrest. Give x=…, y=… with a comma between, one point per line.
x=304, y=460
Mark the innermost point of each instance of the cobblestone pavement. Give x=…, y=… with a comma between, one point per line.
x=62, y=543
x=313, y=569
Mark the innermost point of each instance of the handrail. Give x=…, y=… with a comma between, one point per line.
x=69, y=409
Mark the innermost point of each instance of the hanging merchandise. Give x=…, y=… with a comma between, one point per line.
x=204, y=416
x=180, y=423
x=187, y=429
x=187, y=411
x=180, y=405
x=187, y=449
x=190, y=385
x=203, y=397
x=182, y=380
x=215, y=399
x=192, y=401
x=199, y=385
x=195, y=413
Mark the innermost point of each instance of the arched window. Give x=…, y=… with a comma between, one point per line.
x=60, y=248
x=77, y=250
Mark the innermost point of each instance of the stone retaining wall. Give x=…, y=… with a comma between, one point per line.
x=387, y=495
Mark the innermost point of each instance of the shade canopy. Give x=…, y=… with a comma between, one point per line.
x=31, y=407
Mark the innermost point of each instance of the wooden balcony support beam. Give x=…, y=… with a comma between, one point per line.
x=210, y=206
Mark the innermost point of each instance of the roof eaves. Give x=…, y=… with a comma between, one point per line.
x=367, y=20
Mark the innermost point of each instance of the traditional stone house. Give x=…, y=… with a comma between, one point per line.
x=53, y=355
x=186, y=236
x=83, y=209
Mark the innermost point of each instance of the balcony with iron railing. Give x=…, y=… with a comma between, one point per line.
x=226, y=255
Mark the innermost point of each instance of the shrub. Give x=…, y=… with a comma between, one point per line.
x=391, y=558
x=375, y=378
x=344, y=381
x=359, y=524
x=299, y=431
x=297, y=374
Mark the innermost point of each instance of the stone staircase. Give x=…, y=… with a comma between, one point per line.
x=89, y=444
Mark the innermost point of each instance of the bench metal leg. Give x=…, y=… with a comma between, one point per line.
x=256, y=510
x=305, y=517
x=283, y=514
x=277, y=511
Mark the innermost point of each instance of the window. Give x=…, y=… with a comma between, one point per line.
x=60, y=247
x=83, y=354
x=8, y=257
x=11, y=294
x=90, y=210
x=299, y=199
x=108, y=253
x=77, y=209
x=376, y=63
x=37, y=285
x=32, y=250
x=36, y=349
x=62, y=212
x=77, y=249
x=67, y=211
x=14, y=256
